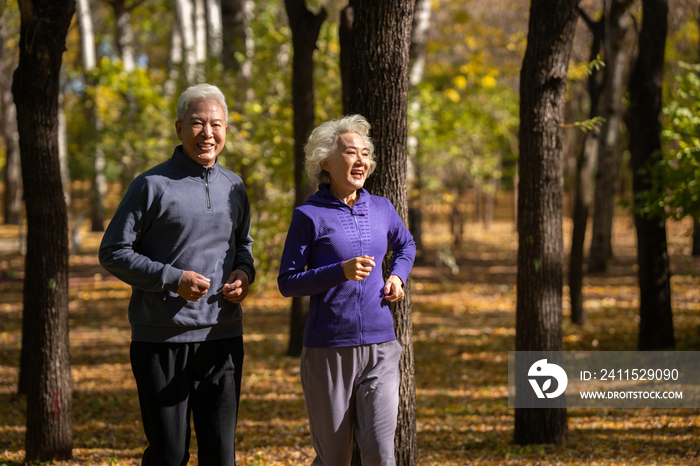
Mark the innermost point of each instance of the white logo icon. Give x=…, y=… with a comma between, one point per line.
x=542, y=368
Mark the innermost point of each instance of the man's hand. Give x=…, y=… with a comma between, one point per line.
x=358, y=268
x=393, y=289
x=236, y=287
x=193, y=286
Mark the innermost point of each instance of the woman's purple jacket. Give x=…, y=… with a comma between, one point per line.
x=325, y=232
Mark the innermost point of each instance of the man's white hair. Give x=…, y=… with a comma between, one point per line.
x=200, y=92
x=323, y=145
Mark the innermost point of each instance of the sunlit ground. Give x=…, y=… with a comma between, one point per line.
x=463, y=328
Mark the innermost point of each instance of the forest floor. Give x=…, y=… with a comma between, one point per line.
x=464, y=326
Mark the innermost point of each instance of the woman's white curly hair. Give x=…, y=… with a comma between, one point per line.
x=323, y=145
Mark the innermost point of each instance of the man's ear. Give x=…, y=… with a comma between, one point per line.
x=178, y=127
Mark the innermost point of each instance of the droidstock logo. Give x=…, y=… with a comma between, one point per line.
x=540, y=369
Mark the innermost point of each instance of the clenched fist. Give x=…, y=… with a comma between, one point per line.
x=193, y=285
x=358, y=268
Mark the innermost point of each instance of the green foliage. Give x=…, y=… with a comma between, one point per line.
x=675, y=176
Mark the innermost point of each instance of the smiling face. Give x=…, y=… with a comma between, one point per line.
x=202, y=131
x=349, y=168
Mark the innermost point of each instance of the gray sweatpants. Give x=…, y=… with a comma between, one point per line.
x=354, y=387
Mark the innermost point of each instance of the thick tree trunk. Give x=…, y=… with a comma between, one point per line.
x=644, y=127
x=696, y=237
x=306, y=27
x=582, y=180
x=378, y=90
x=609, y=148
x=35, y=89
x=540, y=243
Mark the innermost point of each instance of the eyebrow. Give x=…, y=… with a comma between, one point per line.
x=355, y=147
x=197, y=117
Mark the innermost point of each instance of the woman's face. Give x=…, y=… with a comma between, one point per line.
x=349, y=168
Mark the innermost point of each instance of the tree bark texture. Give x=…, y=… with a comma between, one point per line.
x=379, y=91
x=582, y=180
x=306, y=27
x=644, y=127
x=540, y=243
x=44, y=26
x=608, y=172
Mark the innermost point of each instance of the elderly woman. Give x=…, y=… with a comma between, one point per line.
x=349, y=365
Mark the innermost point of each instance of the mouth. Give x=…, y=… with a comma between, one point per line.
x=357, y=174
x=205, y=147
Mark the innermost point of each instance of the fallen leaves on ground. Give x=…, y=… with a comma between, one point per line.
x=463, y=329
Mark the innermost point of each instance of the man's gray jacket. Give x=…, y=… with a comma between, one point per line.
x=180, y=216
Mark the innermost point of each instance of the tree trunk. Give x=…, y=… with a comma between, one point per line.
x=644, y=127
x=378, y=90
x=417, y=52
x=185, y=19
x=582, y=179
x=696, y=237
x=35, y=88
x=419, y=37
x=175, y=62
x=200, y=39
x=490, y=202
x=347, y=17
x=123, y=34
x=540, y=243
x=8, y=131
x=306, y=27
x=13, y=191
x=233, y=17
x=99, y=183
x=214, y=28
x=609, y=148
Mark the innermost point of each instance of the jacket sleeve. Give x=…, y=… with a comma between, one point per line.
x=244, y=242
x=401, y=245
x=294, y=279
x=118, y=251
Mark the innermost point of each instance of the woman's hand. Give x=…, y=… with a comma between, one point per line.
x=358, y=268
x=393, y=289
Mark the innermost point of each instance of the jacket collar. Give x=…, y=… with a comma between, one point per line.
x=325, y=197
x=192, y=168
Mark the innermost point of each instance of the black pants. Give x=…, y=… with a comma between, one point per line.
x=176, y=379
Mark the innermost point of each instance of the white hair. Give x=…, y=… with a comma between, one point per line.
x=323, y=145
x=200, y=92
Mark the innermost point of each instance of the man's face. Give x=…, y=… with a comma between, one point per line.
x=202, y=131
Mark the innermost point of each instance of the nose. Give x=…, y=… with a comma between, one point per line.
x=207, y=129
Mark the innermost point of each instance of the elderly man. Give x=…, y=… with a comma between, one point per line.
x=180, y=238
